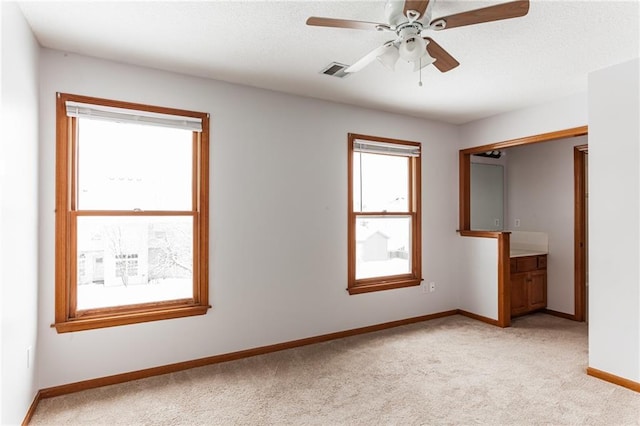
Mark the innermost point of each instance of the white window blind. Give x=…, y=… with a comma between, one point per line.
x=122, y=115
x=374, y=147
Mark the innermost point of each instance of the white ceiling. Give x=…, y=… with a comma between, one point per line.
x=505, y=65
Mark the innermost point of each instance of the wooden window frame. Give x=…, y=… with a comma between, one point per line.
x=67, y=318
x=414, y=278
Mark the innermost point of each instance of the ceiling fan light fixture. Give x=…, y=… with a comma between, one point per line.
x=423, y=62
x=389, y=57
x=412, y=48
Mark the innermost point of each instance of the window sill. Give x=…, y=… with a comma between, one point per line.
x=89, y=323
x=381, y=285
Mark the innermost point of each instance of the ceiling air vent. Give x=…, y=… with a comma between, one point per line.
x=335, y=69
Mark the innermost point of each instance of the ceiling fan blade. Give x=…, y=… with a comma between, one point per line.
x=369, y=57
x=444, y=62
x=346, y=23
x=509, y=10
x=418, y=5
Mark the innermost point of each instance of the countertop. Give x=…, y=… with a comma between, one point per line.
x=522, y=253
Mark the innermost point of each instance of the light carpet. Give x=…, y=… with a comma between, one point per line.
x=448, y=371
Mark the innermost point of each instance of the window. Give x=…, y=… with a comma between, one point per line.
x=384, y=214
x=131, y=213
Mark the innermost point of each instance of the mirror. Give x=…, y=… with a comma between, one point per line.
x=487, y=197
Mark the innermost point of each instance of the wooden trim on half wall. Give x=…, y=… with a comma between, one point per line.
x=504, y=280
x=504, y=277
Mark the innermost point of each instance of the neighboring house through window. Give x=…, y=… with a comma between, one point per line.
x=384, y=214
x=131, y=213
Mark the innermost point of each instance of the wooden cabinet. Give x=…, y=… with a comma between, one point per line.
x=528, y=284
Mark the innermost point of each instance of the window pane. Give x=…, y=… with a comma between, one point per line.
x=383, y=246
x=129, y=166
x=380, y=183
x=131, y=260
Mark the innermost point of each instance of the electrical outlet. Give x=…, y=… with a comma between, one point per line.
x=517, y=223
x=425, y=288
x=496, y=222
x=432, y=287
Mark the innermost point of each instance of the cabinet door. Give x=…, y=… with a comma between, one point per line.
x=537, y=286
x=519, y=293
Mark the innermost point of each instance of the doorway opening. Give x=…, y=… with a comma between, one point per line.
x=580, y=219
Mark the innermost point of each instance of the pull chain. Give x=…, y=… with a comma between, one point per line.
x=420, y=80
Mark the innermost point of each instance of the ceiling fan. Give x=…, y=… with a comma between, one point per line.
x=411, y=21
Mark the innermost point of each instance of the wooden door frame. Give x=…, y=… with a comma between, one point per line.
x=504, y=303
x=580, y=231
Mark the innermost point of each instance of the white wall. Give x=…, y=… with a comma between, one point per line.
x=18, y=214
x=278, y=221
x=564, y=113
x=478, y=290
x=540, y=194
x=614, y=212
